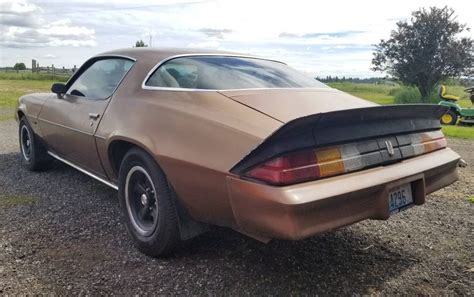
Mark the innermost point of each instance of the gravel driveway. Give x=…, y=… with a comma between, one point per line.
x=60, y=232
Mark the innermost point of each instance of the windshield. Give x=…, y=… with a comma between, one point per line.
x=228, y=72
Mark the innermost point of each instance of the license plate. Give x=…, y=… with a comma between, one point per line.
x=400, y=198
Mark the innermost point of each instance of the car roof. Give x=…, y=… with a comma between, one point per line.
x=160, y=54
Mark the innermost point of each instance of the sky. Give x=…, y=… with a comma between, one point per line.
x=318, y=37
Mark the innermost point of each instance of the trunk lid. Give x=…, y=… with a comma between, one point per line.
x=285, y=105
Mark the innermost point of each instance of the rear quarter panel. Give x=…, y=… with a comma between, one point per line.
x=196, y=137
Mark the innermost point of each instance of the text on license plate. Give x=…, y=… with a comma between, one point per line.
x=399, y=198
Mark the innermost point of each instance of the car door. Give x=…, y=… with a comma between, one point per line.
x=69, y=122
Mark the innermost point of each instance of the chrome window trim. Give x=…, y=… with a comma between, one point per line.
x=112, y=185
x=150, y=73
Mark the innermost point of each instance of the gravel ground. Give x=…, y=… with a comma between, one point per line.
x=60, y=233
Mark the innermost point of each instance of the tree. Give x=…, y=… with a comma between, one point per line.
x=140, y=43
x=426, y=50
x=19, y=66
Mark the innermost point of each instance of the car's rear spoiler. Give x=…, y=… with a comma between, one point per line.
x=349, y=125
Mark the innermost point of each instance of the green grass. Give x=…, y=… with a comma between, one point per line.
x=24, y=75
x=380, y=94
x=13, y=200
x=459, y=132
x=385, y=94
x=471, y=199
x=11, y=90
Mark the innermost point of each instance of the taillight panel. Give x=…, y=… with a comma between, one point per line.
x=313, y=164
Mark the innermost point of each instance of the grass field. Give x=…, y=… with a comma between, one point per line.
x=32, y=76
x=11, y=89
x=384, y=94
x=381, y=94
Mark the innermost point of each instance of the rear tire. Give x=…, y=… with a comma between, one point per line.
x=449, y=118
x=34, y=155
x=147, y=204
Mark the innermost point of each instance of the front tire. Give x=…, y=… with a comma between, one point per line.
x=449, y=118
x=147, y=204
x=34, y=155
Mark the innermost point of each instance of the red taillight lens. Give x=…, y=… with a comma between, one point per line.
x=287, y=169
x=319, y=163
x=299, y=167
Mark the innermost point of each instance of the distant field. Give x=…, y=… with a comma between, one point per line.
x=22, y=75
x=381, y=94
x=384, y=94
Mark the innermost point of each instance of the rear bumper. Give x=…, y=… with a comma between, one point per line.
x=302, y=210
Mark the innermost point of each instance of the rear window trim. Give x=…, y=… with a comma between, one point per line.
x=152, y=71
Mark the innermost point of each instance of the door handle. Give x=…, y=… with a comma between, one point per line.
x=94, y=116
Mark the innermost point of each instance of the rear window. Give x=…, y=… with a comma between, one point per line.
x=227, y=72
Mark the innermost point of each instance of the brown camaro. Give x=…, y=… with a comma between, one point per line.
x=191, y=139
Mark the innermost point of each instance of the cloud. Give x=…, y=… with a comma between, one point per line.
x=320, y=34
x=22, y=25
x=20, y=14
x=65, y=29
x=19, y=21
x=20, y=8
x=288, y=35
x=217, y=33
x=331, y=43
x=49, y=56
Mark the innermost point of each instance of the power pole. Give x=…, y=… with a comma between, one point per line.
x=150, y=39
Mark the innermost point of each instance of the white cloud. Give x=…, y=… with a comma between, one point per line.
x=23, y=25
x=20, y=7
x=315, y=36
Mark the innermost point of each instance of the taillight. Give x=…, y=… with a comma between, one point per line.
x=299, y=167
x=314, y=164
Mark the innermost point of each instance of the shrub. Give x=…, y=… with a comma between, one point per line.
x=411, y=95
x=406, y=95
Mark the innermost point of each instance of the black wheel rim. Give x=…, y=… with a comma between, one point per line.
x=141, y=201
x=25, y=139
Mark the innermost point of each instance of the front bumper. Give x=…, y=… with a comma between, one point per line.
x=302, y=210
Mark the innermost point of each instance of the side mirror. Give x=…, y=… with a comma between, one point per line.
x=59, y=88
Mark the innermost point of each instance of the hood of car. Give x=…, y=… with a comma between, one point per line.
x=288, y=104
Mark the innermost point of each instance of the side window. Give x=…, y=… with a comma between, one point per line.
x=175, y=74
x=101, y=78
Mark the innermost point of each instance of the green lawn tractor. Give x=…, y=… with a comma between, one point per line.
x=455, y=112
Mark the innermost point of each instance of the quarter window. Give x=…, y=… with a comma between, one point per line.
x=100, y=79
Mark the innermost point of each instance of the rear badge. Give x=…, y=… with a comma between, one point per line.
x=389, y=146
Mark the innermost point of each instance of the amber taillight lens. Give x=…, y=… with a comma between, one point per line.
x=314, y=164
